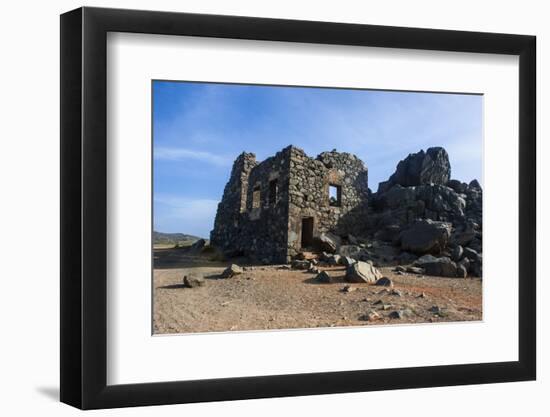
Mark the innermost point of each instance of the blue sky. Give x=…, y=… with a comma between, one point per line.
x=199, y=129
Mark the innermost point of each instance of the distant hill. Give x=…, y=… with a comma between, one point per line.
x=172, y=238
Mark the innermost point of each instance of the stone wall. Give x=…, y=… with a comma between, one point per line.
x=309, y=184
x=264, y=204
x=252, y=219
x=225, y=234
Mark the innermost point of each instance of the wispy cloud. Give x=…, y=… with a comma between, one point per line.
x=180, y=154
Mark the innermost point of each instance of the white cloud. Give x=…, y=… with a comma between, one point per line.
x=179, y=154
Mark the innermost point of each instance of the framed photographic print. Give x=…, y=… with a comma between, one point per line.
x=258, y=207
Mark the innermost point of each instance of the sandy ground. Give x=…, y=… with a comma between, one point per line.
x=266, y=297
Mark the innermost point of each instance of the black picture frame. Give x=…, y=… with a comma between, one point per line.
x=84, y=207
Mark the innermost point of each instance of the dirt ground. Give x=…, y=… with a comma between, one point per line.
x=268, y=297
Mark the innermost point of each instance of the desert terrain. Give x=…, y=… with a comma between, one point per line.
x=264, y=297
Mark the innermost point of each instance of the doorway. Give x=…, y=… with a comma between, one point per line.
x=307, y=232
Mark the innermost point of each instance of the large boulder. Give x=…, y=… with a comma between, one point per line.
x=430, y=167
x=351, y=251
x=398, y=196
x=361, y=272
x=328, y=242
x=425, y=236
x=441, y=200
x=442, y=267
x=388, y=233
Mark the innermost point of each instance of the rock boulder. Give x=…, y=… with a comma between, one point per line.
x=425, y=236
x=361, y=272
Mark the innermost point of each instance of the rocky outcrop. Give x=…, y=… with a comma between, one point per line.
x=422, y=211
x=430, y=167
x=425, y=236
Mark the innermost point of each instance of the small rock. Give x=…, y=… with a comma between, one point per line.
x=386, y=306
x=231, y=271
x=397, y=293
x=193, y=281
x=384, y=282
x=348, y=288
x=399, y=314
x=400, y=268
x=435, y=309
x=422, y=295
x=399, y=273
x=300, y=264
x=371, y=316
x=324, y=277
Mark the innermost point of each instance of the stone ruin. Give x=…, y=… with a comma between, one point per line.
x=273, y=210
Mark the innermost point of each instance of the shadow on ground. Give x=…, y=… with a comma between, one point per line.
x=49, y=392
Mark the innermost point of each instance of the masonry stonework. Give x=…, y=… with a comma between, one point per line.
x=273, y=209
